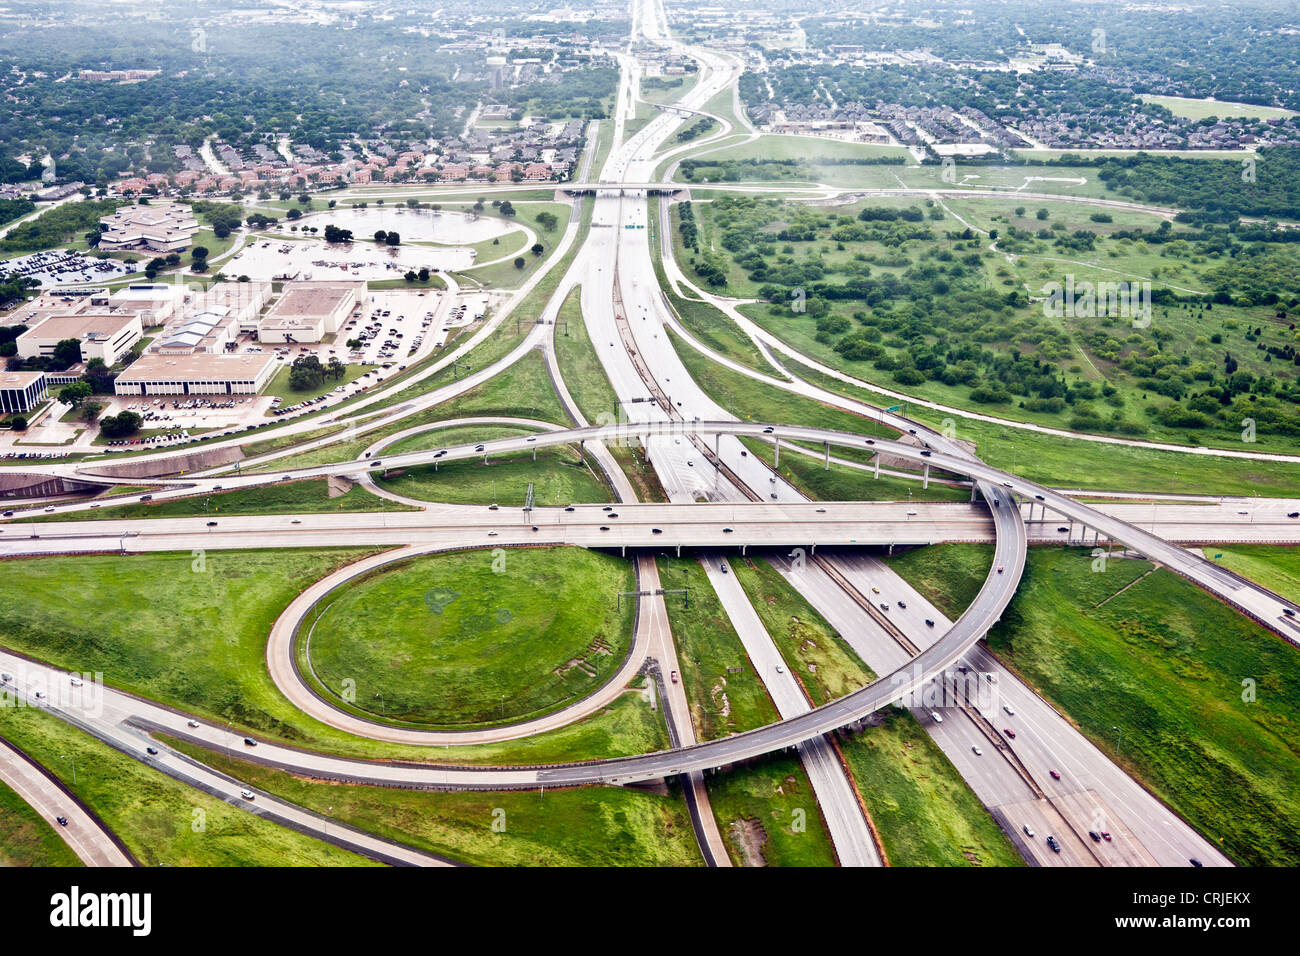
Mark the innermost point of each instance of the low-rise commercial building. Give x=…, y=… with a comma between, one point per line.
x=203, y=373
x=20, y=392
x=309, y=311
x=102, y=334
x=161, y=227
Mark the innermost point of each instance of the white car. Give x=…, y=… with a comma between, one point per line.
x=77, y=682
x=780, y=669
x=936, y=716
x=247, y=794
x=977, y=752
x=1007, y=708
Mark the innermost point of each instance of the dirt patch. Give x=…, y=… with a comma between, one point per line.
x=749, y=838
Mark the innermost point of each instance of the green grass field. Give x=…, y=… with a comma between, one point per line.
x=1199, y=109
x=768, y=814
x=1277, y=567
x=477, y=637
x=587, y=826
x=293, y=497
x=725, y=693
x=279, y=385
x=1207, y=702
x=925, y=813
x=162, y=821
x=26, y=839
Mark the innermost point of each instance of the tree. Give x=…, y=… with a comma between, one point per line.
x=306, y=373
x=547, y=220
x=76, y=393
x=520, y=262
x=8, y=349
x=410, y=275
x=424, y=274
x=67, y=353
x=538, y=248
x=18, y=423
x=90, y=411
x=304, y=199
x=354, y=344
x=507, y=209
x=380, y=235
x=120, y=425
x=336, y=368
x=1042, y=215
x=99, y=377
x=393, y=238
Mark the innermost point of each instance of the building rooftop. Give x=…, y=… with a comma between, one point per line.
x=202, y=367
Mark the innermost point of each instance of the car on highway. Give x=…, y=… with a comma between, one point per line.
x=1007, y=708
x=903, y=605
x=191, y=723
x=780, y=669
x=569, y=508
x=1105, y=835
x=673, y=677
x=884, y=605
x=212, y=524
x=1096, y=837
x=1195, y=862
x=929, y=623
x=911, y=514
x=1028, y=830
x=492, y=534
x=656, y=530
x=875, y=590
x=936, y=716
x=1001, y=569
x=1056, y=774
x=604, y=527
x=296, y=521
x=768, y=430
x=1009, y=732
x=1063, y=529
x=76, y=681
x=250, y=742
x=1056, y=847
x=63, y=821
x=728, y=530
x=247, y=794
x=1294, y=514
x=146, y=497
x=151, y=751
x=976, y=751
x=49, y=509
x=1006, y=484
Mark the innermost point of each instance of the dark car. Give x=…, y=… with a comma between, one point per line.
x=656, y=530
x=1096, y=837
x=929, y=623
x=925, y=454
x=250, y=742
x=63, y=821
x=1196, y=863
x=212, y=524
x=1063, y=529
x=146, y=497
x=604, y=527
x=569, y=508
x=1294, y=514
x=1056, y=847
x=152, y=751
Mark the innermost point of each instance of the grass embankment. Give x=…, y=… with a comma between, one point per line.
x=588, y=826
x=1207, y=703
x=26, y=839
x=161, y=820
x=845, y=483
x=290, y=497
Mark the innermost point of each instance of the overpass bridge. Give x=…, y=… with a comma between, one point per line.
x=621, y=189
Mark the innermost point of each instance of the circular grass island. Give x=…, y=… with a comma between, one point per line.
x=472, y=638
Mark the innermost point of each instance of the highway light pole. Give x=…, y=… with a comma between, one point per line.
x=73, y=761
x=383, y=707
x=1119, y=736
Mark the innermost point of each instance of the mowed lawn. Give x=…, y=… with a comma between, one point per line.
x=477, y=637
x=1207, y=702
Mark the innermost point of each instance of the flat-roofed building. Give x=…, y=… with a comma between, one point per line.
x=67, y=302
x=156, y=302
x=103, y=334
x=21, y=391
x=203, y=373
x=160, y=227
x=309, y=311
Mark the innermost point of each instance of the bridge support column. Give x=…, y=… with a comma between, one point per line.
x=972, y=492
x=925, y=478
x=679, y=551
x=534, y=453
x=742, y=549
x=828, y=456
x=878, y=471
x=777, y=461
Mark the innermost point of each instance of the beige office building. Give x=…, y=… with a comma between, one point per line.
x=309, y=311
x=203, y=373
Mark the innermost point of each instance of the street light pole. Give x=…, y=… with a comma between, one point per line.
x=73, y=761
